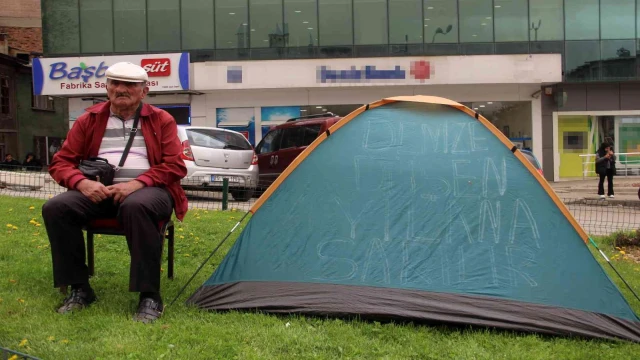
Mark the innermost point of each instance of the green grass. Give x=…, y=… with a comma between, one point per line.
x=105, y=330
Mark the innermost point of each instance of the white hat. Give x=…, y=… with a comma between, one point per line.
x=126, y=71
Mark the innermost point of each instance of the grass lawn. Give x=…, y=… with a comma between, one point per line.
x=29, y=324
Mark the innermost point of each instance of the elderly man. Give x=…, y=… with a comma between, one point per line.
x=145, y=190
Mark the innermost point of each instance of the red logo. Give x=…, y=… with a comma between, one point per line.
x=156, y=67
x=421, y=70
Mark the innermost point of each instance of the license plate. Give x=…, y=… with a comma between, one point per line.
x=219, y=178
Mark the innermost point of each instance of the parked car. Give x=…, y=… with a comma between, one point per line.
x=212, y=154
x=284, y=142
x=533, y=160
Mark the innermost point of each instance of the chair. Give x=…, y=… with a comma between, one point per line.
x=110, y=226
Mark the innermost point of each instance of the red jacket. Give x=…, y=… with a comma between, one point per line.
x=163, y=150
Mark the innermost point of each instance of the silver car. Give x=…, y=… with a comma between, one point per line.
x=212, y=154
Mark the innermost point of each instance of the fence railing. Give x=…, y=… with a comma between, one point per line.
x=627, y=164
x=6, y=354
x=596, y=217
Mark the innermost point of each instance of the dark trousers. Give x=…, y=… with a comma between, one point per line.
x=609, y=176
x=139, y=214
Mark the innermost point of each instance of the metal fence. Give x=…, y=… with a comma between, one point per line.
x=597, y=217
x=8, y=354
x=627, y=164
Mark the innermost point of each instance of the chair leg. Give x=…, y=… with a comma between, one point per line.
x=170, y=245
x=90, y=253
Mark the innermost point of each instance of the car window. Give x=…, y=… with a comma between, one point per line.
x=217, y=139
x=299, y=136
x=270, y=143
x=311, y=132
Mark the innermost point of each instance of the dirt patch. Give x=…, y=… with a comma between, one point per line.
x=628, y=245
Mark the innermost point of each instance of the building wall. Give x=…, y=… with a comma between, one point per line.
x=614, y=96
x=21, y=21
x=33, y=122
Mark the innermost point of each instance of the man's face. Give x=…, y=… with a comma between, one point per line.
x=8, y=157
x=124, y=94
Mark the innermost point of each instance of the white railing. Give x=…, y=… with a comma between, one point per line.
x=624, y=167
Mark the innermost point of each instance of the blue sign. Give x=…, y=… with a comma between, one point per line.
x=326, y=75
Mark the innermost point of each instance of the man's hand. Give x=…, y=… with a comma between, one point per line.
x=122, y=190
x=94, y=190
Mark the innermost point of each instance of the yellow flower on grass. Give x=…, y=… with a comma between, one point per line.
x=181, y=237
x=32, y=222
x=65, y=341
x=206, y=212
x=197, y=238
x=39, y=226
x=187, y=255
x=14, y=357
x=622, y=252
x=190, y=234
x=13, y=281
x=23, y=343
x=99, y=235
x=15, y=228
x=9, y=225
x=10, y=210
x=21, y=301
x=51, y=338
x=180, y=229
x=31, y=207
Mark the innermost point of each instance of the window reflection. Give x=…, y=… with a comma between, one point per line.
x=440, y=21
x=197, y=24
x=336, y=22
x=545, y=20
x=267, y=29
x=476, y=20
x=582, y=59
x=301, y=18
x=618, y=19
x=232, y=24
x=582, y=20
x=164, y=25
x=511, y=20
x=405, y=21
x=370, y=21
x=618, y=59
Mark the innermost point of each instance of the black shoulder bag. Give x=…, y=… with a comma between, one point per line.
x=99, y=169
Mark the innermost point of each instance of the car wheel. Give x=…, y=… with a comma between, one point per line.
x=241, y=194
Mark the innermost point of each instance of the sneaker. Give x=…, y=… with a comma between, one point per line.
x=602, y=197
x=77, y=300
x=611, y=196
x=149, y=311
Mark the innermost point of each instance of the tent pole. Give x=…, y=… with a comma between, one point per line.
x=209, y=258
x=614, y=269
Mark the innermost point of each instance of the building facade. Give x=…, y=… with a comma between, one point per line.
x=28, y=123
x=556, y=76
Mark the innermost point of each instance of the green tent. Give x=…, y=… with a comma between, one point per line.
x=417, y=208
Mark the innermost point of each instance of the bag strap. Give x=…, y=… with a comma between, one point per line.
x=132, y=134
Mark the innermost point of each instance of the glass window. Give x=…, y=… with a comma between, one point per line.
x=336, y=26
x=270, y=143
x=582, y=59
x=441, y=21
x=476, y=20
x=96, y=26
x=216, y=139
x=5, y=95
x=511, y=20
x=61, y=26
x=232, y=30
x=405, y=21
x=197, y=24
x=301, y=17
x=618, y=59
x=130, y=25
x=164, y=24
x=582, y=20
x=370, y=22
x=267, y=29
x=292, y=138
x=546, y=20
x=618, y=19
